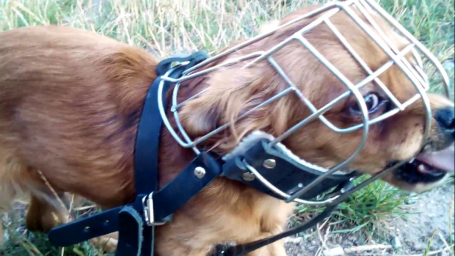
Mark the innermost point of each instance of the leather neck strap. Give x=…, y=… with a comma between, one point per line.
x=148, y=142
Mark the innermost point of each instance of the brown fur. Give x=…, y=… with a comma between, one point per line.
x=70, y=102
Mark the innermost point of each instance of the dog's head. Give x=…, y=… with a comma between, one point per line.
x=235, y=90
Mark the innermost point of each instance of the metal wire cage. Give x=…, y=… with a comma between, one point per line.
x=414, y=73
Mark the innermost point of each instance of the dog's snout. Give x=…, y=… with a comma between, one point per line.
x=445, y=119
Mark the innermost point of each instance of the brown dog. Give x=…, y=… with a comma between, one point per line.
x=70, y=101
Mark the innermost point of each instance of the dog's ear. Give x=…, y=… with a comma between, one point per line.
x=201, y=115
x=229, y=93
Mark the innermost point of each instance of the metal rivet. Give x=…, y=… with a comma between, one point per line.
x=248, y=176
x=293, y=190
x=269, y=163
x=199, y=172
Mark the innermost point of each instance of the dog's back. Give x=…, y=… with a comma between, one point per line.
x=69, y=100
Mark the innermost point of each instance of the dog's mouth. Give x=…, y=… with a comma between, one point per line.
x=428, y=167
x=433, y=163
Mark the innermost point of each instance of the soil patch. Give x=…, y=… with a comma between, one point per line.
x=430, y=224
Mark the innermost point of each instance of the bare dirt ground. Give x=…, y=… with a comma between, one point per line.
x=431, y=224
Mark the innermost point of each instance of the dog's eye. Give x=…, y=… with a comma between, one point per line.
x=372, y=101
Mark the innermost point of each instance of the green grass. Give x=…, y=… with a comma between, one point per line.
x=432, y=22
x=167, y=26
x=365, y=208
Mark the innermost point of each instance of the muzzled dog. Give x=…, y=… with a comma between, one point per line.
x=334, y=91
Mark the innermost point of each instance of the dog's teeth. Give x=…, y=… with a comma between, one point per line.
x=421, y=168
x=411, y=161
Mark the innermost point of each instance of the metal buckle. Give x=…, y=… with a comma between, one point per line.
x=147, y=202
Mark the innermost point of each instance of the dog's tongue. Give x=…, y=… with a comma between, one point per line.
x=442, y=160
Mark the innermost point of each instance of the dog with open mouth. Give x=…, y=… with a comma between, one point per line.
x=70, y=102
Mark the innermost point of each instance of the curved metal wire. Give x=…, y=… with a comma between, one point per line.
x=368, y=25
x=283, y=194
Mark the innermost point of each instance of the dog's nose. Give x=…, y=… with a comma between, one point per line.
x=445, y=119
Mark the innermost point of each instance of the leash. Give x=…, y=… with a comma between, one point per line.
x=240, y=250
x=244, y=249
x=136, y=220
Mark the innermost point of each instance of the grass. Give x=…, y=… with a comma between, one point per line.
x=365, y=208
x=164, y=27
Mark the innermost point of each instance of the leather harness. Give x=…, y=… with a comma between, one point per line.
x=136, y=221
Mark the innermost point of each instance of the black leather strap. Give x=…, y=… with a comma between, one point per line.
x=148, y=139
x=287, y=175
x=186, y=185
x=192, y=59
x=166, y=201
x=150, y=124
x=84, y=229
x=169, y=199
x=130, y=232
